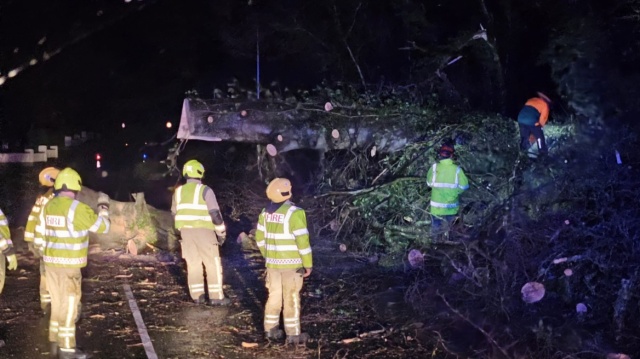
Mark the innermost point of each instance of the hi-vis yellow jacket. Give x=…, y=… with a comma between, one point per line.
x=6, y=246
x=447, y=181
x=283, y=238
x=30, y=228
x=62, y=232
x=191, y=208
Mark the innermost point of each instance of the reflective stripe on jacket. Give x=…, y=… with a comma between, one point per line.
x=30, y=228
x=283, y=238
x=535, y=112
x=191, y=208
x=6, y=246
x=447, y=181
x=62, y=232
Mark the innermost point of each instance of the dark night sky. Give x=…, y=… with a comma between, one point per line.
x=131, y=63
x=119, y=61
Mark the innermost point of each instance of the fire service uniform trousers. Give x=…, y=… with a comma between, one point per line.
x=284, y=287
x=200, y=247
x=64, y=285
x=45, y=297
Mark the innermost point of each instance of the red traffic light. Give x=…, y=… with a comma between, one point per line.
x=98, y=157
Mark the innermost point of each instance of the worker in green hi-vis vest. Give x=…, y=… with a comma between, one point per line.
x=199, y=220
x=447, y=181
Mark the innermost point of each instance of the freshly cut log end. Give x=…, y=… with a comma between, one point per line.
x=328, y=106
x=271, y=150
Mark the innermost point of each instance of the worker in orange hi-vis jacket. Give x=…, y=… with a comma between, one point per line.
x=531, y=119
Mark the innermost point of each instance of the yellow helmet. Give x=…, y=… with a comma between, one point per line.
x=68, y=179
x=193, y=169
x=48, y=176
x=279, y=190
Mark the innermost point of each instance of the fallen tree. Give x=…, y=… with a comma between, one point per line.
x=135, y=226
x=322, y=126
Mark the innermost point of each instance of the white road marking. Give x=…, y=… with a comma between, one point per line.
x=142, y=329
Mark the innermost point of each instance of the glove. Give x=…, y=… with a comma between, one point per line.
x=221, y=233
x=221, y=237
x=13, y=262
x=103, y=204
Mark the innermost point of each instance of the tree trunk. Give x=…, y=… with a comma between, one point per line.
x=289, y=127
x=135, y=226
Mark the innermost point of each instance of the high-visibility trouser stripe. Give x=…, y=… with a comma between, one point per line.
x=45, y=298
x=5, y=243
x=3, y=222
x=196, y=288
x=270, y=321
x=218, y=270
x=53, y=326
x=291, y=322
x=294, y=322
x=29, y=235
x=68, y=331
x=443, y=205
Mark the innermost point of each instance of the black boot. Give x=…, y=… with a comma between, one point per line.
x=71, y=354
x=300, y=339
x=220, y=302
x=200, y=300
x=53, y=350
x=274, y=334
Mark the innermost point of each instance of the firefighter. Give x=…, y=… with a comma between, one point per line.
x=47, y=178
x=6, y=246
x=199, y=220
x=283, y=240
x=447, y=181
x=62, y=237
x=531, y=119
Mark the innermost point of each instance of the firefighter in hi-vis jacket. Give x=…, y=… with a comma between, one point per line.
x=47, y=178
x=62, y=236
x=6, y=246
x=199, y=220
x=283, y=239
